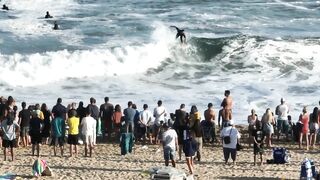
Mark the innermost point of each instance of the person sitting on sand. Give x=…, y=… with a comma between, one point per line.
x=170, y=144
x=58, y=134
x=252, y=118
x=35, y=132
x=267, y=123
x=304, y=118
x=230, y=146
x=73, y=123
x=48, y=15
x=5, y=7
x=88, y=129
x=258, y=138
x=9, y=128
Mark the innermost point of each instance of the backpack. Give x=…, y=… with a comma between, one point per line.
x=280, y=155
x=308, y=169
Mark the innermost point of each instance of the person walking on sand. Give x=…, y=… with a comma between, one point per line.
x=88, y=129
x=9, y=129
x=170, y=144
x=252, y=118
x=73, y=123
x=304, y=119
x=267, y=124
x=282, y=111
x=258, y=139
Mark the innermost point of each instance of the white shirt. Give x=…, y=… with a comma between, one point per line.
x=159, y=113
x=88, y=126
x=169, y=138
x=145, y=116
x=234, y=135
x=283, y=111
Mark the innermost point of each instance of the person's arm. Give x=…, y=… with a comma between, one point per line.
x=177, y=143
x=219, y=118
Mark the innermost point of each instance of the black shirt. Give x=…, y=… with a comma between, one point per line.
x=94, y=111
x=258, y=135
x=35, y=126
x=59, y=111
x=25, y=116
x=106, y=110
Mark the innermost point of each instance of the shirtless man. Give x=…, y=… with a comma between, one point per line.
x=210, y=116
x=226, y=105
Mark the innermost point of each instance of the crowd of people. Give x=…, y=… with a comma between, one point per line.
x=180, y=131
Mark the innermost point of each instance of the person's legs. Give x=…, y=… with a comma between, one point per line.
x=226, y=154
x=166, y=155
x=279, y=128
x=38, y=149
x=85, y=149
x=12, y=153
x=261, y=159
x=254, y=159
x=233, y=155
x=300, y=140
x=307, y=140
x=76, y=150
x=5, y=153
x=190, y=165
x=71, y=152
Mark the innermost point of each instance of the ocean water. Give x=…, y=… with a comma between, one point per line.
x=261, y=50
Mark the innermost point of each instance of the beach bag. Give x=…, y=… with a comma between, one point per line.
x=227, y=139
x=126, y=143
x=280, y=155
x=167, y=172
x=308, y=169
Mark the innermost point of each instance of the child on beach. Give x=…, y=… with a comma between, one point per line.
x=9, y=129
x=88, y=129
x=258, y=139
x=73, y=123
x=170, y=144
x=35, y=132
x=58, y=133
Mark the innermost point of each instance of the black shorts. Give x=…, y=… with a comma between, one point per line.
x=57, y=141
x=9, y=143
x=36, y=139
x=72, y=139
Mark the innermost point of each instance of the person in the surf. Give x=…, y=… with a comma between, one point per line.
x=55, y=26
x=48, y=15
x=180, y=33
x=5, y=7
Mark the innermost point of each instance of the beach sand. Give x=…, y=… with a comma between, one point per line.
x=107, y=163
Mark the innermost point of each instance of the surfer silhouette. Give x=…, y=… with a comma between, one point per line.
x=48, y=15
x=55, y=26
x=4, y=7
x=180, y=33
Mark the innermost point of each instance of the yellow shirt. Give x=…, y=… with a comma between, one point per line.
x=73, y=124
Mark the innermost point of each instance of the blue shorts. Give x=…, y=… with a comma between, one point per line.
x=282, y=126
x=169, y=153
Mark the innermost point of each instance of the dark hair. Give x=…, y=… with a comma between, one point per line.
x=106, y=99
x=145, y=106
x=182, y=106
x=130, y=103
x=314, y=116
x=193, y=109
x=159, y=103
x=134, y=106
x=227, y=92
x=43, y=107
x=88, y=111
x=37, y=106
x=92, y=100
x=23, y=104
x=210, y=105
x=73, y=112
x=80, y=104
x=258, y=125
x=10, y=118
x=59, y=100
x=117, y=108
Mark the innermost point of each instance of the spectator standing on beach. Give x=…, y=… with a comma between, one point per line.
x=59, y=110
x=24, y=120
x=258, y=139
x=314, y=126
x=145, y=118
x=35, y=132
x=267, y=124
x=195, y=119
x=304, y=119
x=81, y=111
x=46, y=123
x=210, y=117
x=106, y=114
x=189, y=146
x=129, y=114
x=116, y=118
x=170, y=144
x=226, y=105
x=9, y=129
x=93, y=108
x=230, y=147
x=282, y=111
x=136, y=119
x=159, y=113
x=180, y=121
x=73, y=123
x=88, y=130
x=252, y=118
x=58, y=128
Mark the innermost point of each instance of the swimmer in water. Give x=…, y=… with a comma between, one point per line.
x=4, y=7
x=48, y=15
x=56, y=26
x=180, y=33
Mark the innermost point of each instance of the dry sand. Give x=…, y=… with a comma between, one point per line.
x=109, y=164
